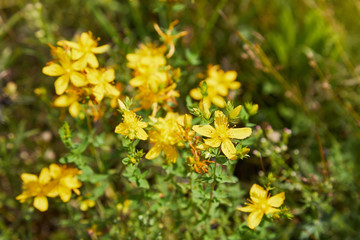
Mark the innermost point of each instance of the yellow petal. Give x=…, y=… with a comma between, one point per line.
x=213, y=142
x=71, y=182
x=41, y=203
x=257, y=193
x=207, y=130
x=171, y=153
x=234, y=85
x=80, y=64
x=92, y=60
x=120, y=128
x=111, y=91
x=196, y=94
x=85, y=39
x=137, y=81
x=75, y=109
x=27, y=177
x=65, y=193
x=100, y=49
x=218, y=101
x=202, y=147
x=109, y=75
x=69, y=44
x=141, y=134
x=227, y=147
x=239, y=133
x=254, y=219
x=222, y=90
x=230, y=76
x=61, y=84
x=93, y=76
x=277, y=200
x=77, y=191
x=62, y=101
x=271, y=210
x=154, y=152
x=98, y=92
x=78, y=79
x=131, y=57
x=220, y=120
x=249, y=208
x=53, y=70
x=53, y=191
x=22, y=197
x=44, y=176
x=142, y=124
x=76, y=54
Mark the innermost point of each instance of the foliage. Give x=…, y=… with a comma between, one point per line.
x=150, y=121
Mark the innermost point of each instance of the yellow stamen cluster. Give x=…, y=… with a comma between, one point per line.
x=79, y=79
x=52, y=182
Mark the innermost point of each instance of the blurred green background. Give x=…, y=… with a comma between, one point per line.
x=297, y=59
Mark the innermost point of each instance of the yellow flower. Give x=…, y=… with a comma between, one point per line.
x=102, y=80
x=38, y=187
x=148, y=58
x=69, y=100
x=222, y=134
x=218, y=85
x=148, y=63
x=168, y=38
x=84, y=50
x=165, y=137
x=65, y=181
x=222, y=81
x=67, y=71
x=132, y=126
x=261, y=203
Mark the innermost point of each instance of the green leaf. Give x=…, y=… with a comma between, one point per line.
x=193, y=58
x=95, y=178
x=143, y=183
x=80, y=148
x=65, y=135
x=99, y=190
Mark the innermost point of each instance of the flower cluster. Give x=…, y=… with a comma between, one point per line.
x=153, y=119
x=152, y=77
x=52, y=182
x=80, y=80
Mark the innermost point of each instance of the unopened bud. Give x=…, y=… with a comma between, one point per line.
x=235, y=112
x=122, y=105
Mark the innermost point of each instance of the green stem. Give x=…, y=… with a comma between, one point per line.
x=92, y=147
x=212, y=191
